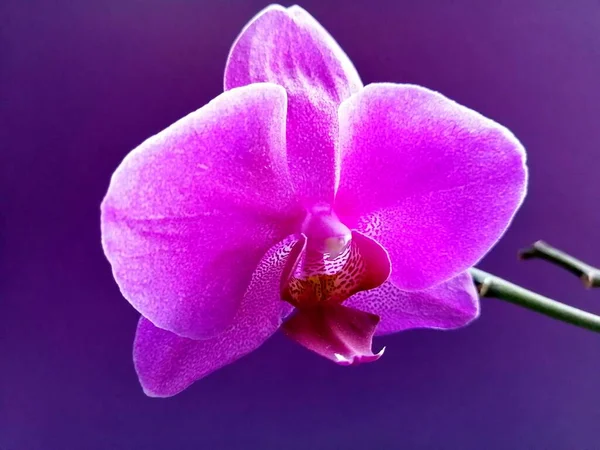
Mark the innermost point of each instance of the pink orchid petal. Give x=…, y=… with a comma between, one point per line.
x=434, y=182
x=451, y=304
x=167, y=364
x=191, y=211
x=341, y=334
x=290, y=48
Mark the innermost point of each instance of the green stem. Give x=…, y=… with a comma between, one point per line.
x=494, y=287
x=540, y=250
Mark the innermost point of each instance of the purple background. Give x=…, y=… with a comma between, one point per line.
x=84, y=82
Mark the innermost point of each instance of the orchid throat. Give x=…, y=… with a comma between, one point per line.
x=334, y=262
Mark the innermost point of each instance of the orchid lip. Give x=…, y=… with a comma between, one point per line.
x=355, y=360
x=341, y=334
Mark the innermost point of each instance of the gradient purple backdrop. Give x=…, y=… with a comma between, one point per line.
x=84, y=82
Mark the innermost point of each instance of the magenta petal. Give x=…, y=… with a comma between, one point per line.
x=191, y=211
x=451, y=304
x=167, y=364
x=434, y=182
x=341, y=334
x=290, y=48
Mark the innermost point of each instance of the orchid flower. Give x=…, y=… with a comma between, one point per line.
x=301, y=199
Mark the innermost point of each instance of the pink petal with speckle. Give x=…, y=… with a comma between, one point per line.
x=434, y=182
x=167, y=364
x=290, y=48
x=451, y=304
x=190, y=212
x=341, y=334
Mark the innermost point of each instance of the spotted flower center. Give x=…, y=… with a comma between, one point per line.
x=334, y=264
